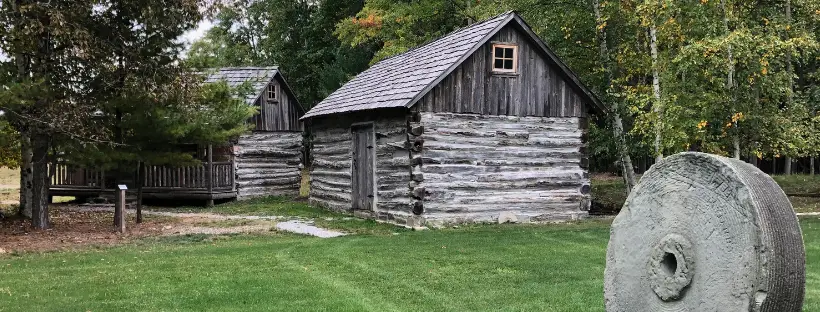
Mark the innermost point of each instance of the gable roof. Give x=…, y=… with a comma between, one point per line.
x=401, y=80
x=257, y=77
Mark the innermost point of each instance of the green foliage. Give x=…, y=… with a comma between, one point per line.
x=9, y=145
x=297, y=36
x=769, y=106
x=156, y=126
x=398, y=26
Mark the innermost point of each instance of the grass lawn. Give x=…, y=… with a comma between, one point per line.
x=508, y=267
x=609, y=191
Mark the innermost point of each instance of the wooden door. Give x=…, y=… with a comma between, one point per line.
x=364, y=156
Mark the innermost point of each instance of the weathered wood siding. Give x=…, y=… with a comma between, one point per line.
x=281, y=115
x=331, y=165
x=268, y=164
x=477, y=167
x=538, y=89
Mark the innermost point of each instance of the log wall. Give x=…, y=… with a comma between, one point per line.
x=331, y=164
x=479, y=168
x=267, y=164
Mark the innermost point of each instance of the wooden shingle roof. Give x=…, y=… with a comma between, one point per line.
x=400, y=81
x=257, y=77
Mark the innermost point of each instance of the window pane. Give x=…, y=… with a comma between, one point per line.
x=499, y=64
x=499, y=52
x=508, y=53
x=508, y=64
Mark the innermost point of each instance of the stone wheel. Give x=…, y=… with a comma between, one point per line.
x=705, y=233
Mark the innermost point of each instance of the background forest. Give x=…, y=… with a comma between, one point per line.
x=731, y=77
x=108, y=81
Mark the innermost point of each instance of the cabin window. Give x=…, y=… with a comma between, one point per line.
x=273, y=93
x=505, y=58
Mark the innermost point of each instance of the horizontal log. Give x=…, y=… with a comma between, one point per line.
x=327, y=173
x=394, y=192
x=475, y=154
x=341, y=206
x=524, y=184
x=402, y=163
x=268, y=176
x=494, y=208
x=333, y=196
x=268, y=182
x=269, y=152
x=336, y=149
x=565, y=175
x=339, y=183
x=267, y=170
x=453, y=142
x=481, y=168
x=325, y=187
x=321, y=163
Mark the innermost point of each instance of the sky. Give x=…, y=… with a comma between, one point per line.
x=197, y=33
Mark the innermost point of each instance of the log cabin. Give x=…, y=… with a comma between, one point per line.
x=485, y=124
x=264, y=162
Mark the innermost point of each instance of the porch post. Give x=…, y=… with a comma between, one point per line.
x=210, y=178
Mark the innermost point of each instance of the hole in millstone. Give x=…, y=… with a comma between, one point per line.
x=669, y=264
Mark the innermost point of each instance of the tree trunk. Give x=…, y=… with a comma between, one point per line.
x=39, y=201
x=753, y=160
x=26, y=182
x=140, y=179
x=656, y=92
x=730, y=77
x=789, y=68
x=811, y=165
x=736, y=146
x=617, y=123
x=787, y=169
x=774, y=165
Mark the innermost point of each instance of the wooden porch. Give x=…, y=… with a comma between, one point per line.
x=208, y=181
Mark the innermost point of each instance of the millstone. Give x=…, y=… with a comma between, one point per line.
x=705, y=233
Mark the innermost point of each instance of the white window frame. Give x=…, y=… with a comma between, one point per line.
x=272, y=89
x=514, y=58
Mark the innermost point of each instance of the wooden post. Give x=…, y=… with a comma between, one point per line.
x=119, y=209
x=210, y=175
x=141, y=181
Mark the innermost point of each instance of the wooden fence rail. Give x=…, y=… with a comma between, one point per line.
x=189, y=177
x=160, y=177
x=66, y=175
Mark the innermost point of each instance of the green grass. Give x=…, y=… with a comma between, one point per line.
x=799, y=183
x=611, y=192
x=488, y=268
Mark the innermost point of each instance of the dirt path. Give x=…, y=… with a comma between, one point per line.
x=210, y=223
x=76, y=226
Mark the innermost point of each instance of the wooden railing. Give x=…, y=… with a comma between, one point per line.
x=158, y=177
x=66, y=175
x=190, y=177
x=223, y=175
